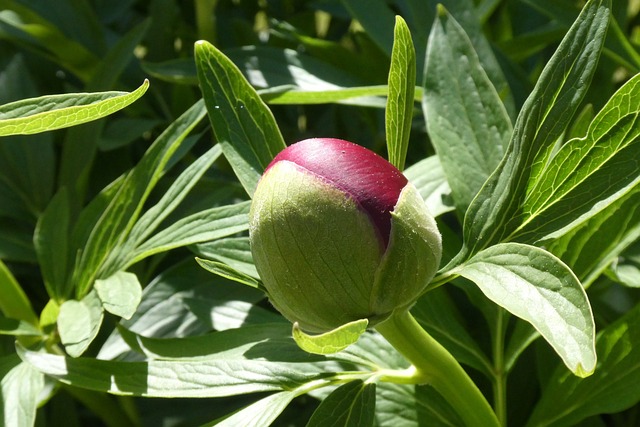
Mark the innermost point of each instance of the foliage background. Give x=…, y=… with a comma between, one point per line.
x=322, y=45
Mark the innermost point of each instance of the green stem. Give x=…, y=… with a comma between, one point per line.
x=436, y=366
x=500, y=379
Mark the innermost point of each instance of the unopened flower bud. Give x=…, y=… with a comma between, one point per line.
x=339, y=234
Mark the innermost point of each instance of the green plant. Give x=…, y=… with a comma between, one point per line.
x=534, y=193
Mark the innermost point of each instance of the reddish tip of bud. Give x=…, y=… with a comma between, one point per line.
x=373, y=182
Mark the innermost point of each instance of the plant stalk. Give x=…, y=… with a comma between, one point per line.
x=434, y=365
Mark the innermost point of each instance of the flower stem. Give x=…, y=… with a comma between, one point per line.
x=436, y=366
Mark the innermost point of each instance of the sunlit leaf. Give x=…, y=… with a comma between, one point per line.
x=536, y=286
x=51, y=112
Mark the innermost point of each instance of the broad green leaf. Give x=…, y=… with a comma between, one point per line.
x=350, y=405
x=428, y=177
x=52, y=112
x=14, y=303
x=536, y=286
x=208, y=377
x=243, y=124
x=402, y=82
x=123, y=205
x=200, y=227
x=120, y=293
x=51, y=241
x=587, y=173
x=612, y=388
x=466, y=119
x=330, y=342
x=261, y=413
x=20, y=386
x=492, y=215
x=232, y=251
x=228, y=272
x=79, y=323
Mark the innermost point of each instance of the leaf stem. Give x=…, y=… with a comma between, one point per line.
x=436, y=366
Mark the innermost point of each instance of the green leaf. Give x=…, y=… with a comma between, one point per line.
x=369, y=96
x=121, y=256
x=186, y=300
x=536, y=286
x=467, y=121
x=267, y=341
x=20, y=386
x=51, y=241
x=330, y=342
x=232, y=251
x=612, y=388
x=14, y=303
x=493, y=213
x=243, y=124
x=52, y=112
x=17, y=327
x=118, y=209
x=350, y=405
x=429, y=179
x=120, y=293
x=79, y=323
x=590, y=247
x=203, y=226
x=402, y=82
x=205, y=377
x=589, y=173
x=261, y=413
x=228, y=272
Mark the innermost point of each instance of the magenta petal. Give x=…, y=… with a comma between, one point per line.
x=373, y=182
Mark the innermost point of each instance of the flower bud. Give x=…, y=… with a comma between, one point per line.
x=339, y=234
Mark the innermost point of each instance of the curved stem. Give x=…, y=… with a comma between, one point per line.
x=436, y=366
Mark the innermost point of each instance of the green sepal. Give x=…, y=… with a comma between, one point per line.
x=330, y=342
x=407, y=267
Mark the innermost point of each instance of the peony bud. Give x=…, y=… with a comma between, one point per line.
x=339, y=234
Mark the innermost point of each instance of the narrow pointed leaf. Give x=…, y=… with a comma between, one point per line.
x=493, y=214
x=228, y=272
x=243, y=124
x=587, y=173
x=52, y=112
x=330, y=342
x=200, y=227
x=51, y=241
x=402, y=82
x=536, y=286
